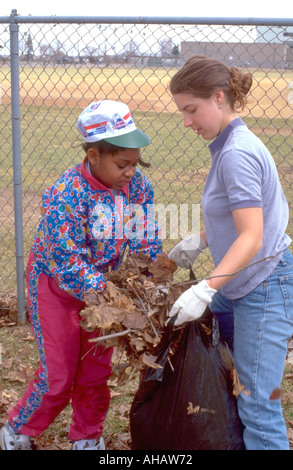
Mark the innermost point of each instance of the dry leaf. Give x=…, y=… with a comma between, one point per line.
x=237, y=387
x=136, y=321
x=150, y=361
x=8, y=309
x=290, y=435
x=163, y=269
x=91, y=297
x=137, y=343
x=276, y=394
x=191, y=409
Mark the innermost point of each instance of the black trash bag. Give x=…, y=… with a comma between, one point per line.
x=191, y=407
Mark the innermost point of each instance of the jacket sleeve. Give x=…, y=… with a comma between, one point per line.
x=61, y=245
x=142, y=227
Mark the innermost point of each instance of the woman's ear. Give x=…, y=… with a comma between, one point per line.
x=219, y=97
x=93, y=155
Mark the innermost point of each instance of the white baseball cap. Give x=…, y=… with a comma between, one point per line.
x=110, y=121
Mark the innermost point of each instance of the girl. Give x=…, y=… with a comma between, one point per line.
x=86, y=225
x=245, y=216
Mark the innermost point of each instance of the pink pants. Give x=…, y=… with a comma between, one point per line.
x=70, y=367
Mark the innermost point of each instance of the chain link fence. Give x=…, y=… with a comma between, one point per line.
x=52, y=68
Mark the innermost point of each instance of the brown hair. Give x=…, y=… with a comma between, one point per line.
x=105, y=147
x=201, y=76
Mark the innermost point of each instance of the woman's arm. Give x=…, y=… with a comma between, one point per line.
x=249, y=226
x=203, y=236
x=193, y=302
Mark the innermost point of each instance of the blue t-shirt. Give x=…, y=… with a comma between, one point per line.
x=243, y=174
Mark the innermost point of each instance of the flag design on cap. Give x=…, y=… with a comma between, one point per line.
x=98, y=128
x=111, y=121
x=119, y=122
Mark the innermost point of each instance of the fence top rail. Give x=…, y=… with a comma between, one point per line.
x=15, y=18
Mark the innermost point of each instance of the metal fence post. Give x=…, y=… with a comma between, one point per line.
x=17, y=179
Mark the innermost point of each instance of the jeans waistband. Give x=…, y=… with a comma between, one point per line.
x=286, y=260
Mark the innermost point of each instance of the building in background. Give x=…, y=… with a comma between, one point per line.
x=273, y=47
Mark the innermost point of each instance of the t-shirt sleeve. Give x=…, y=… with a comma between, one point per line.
x=241, y=175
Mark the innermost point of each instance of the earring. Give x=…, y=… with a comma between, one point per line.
x=220, y=106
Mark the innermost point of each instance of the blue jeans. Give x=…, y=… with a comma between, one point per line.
x=257, y=328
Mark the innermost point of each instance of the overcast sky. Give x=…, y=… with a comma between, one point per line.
x=194, y=8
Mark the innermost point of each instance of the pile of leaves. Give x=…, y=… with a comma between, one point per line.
x=132, y=311
x=8, y=309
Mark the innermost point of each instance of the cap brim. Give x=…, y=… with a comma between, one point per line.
x=131, y=140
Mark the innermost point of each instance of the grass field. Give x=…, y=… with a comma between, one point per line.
x=146, y=88
x=51, y=100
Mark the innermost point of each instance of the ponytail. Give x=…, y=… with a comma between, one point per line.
x=239, y=85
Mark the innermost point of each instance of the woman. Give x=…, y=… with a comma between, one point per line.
x=245, y=215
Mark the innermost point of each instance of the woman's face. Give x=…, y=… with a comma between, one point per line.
x=206, y=116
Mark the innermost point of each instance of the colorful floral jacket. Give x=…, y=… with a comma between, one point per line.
x=85, y=228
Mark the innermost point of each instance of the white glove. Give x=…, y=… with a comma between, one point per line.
x=192, y=303
x=185, y=253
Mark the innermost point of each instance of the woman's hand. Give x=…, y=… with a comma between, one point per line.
x=192, y=303
x=185, y=252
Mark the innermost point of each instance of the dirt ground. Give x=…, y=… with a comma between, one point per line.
x=268, y=96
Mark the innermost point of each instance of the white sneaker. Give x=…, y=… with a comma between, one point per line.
x=89, y=444
x=11, y=441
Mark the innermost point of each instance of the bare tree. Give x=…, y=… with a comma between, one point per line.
x=166, y=47
x=131, y=49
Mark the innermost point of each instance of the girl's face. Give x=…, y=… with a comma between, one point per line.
x=206, y=116
x=114, y=171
